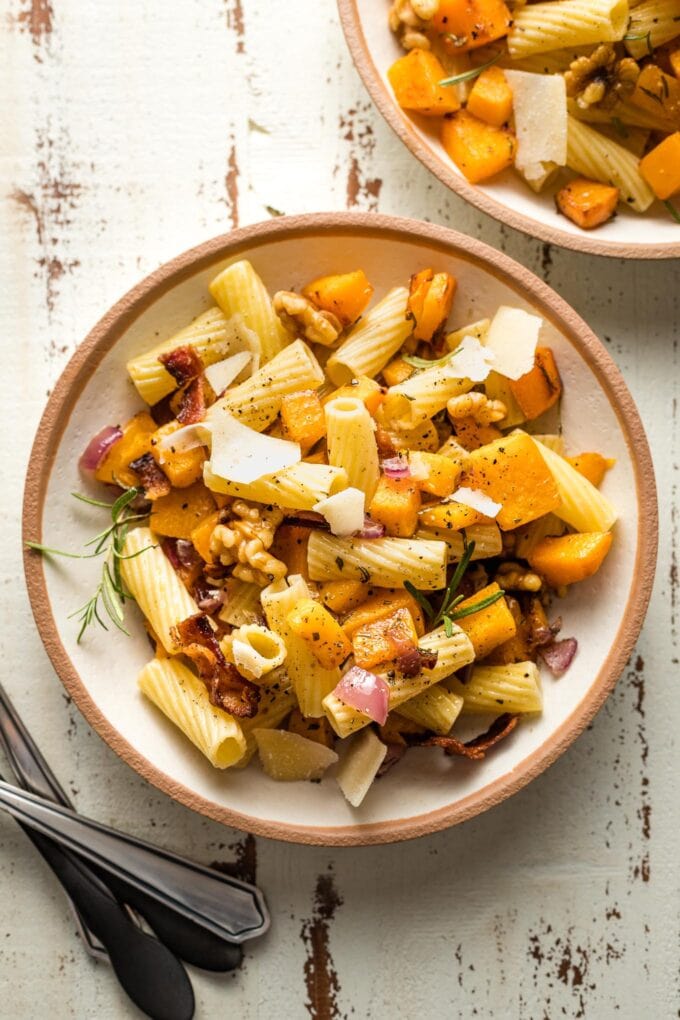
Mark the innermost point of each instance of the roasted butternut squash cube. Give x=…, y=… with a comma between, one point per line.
x=134, y=443
x=471, y=435
x=658, y=93
x=181, y=511
x=489, y=627
x=415, y=81
x=319, y=730
x=181, y=468
x=587, y=203
x=434, y=473
x=468, y=24
x=384, y=640
x=290, y=546
x=451, y=516
x=303, y=419
x=674, y=61
x=429, y=302
x=570, y=558
x=512, y=472
x=395, y=504
x=363, y=388
x=661, y=167
x=342, y=596
x=344, y=294
x=479, y=150
x=397, y=371
x=539, y=389
x=592, y=466
x=326, y=639
x=382, y=604
x=201, y=535
x=490, y=97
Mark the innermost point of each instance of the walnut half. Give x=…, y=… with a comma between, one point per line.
x=245, y=540
x=303, y=318
x=601, y=79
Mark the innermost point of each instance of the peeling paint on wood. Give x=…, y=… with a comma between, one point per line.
x=321, y=979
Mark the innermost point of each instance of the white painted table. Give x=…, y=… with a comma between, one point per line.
x=131, y=131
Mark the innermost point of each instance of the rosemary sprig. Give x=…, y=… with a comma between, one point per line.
x=411, y=359
x=448, y=613
x=672, y=210
x=110, y=594
x=456, y=79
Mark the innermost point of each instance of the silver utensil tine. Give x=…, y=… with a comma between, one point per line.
x=34, y=773
x=226, y=906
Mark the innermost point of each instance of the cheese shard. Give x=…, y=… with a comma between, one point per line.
x=477, y=500
x=344, y=511
x=513, y=336
x=223, y=373
x=540, y=109
x=240, y=454
x=471, y=361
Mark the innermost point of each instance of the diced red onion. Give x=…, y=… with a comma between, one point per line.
x=186, y=554
x=412, y=661
x=169, y=547
x=371, y=529
x=209, y=600
x=366, y=692
x=558, y=657
x=396, y=467
x=98, y=447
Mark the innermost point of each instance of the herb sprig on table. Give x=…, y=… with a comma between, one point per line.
x=447, y=612
x=110, y=594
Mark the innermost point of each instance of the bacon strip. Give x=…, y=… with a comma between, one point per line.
x=476, y=748
x=183, y=363
x=227, y=689
x=192, y=403
x=413, y=661
x=153, y=479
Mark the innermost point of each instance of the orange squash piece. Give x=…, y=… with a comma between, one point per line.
x=451, y=516
x=539, y=389
x=290, y=546
x=471, y=435
x=325, y=638
x=363, y=388
x=181, y=468
x=344, y=294
x=302, y=418
x=135, y=442
x=441, y=473
x=479, y=150
x=469, y=24
x=395, y=504
x=415, y=81
x=201, y=535
x=512, y=471
x=429, y=302
x=318, y=730
x=397, y=371
x=587, y=203
x=661, y=167
x=674, y=61
x=385, y=639
x=570, y=558
x=489, y=627
x=181, y=511
x=490, y=97
x=592, y=466
x=342, y=596
x=381, y=605
x=658, y=93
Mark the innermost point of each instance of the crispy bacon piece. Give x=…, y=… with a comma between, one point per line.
x=413, y=660
x=183, y=363
x=476, y=748
x=226, y=687
x=192, y=402
x=386, y=447
x=153, y=479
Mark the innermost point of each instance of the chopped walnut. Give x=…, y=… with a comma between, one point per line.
x=245, y=539
x=477, y=406
x=601, y=79
x=410, y=20
x=513, y=577
x=301, y=316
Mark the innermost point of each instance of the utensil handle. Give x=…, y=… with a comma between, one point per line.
x=226, y=906
x=24, y=755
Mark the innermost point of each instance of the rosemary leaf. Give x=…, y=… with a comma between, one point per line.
x=456, y=79
x=672, y=210
x=484, y=603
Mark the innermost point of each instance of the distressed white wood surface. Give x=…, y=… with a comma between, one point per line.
x=129, y=132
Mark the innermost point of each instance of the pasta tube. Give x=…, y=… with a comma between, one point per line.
x=452, y=654
x=183, y=698
x=257, y=401
x=538, y=28
x=487, y=539
x=582, y=505
x=298, y=487
x=254, y=650
x=594, y=156
x=277, y=700
x=512, y=688
x=151, y=580
x=652, y=23
x=238, y=289
x=350, y=438
x=386, y=562
x=373, y=341
x=242, y=602
x=422, y=396
x=435, y=709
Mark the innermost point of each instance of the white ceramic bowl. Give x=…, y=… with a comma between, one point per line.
x=374, y=48
x=426, y=791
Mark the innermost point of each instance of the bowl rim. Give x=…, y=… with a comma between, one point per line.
x=586, y=243
x=108, y=331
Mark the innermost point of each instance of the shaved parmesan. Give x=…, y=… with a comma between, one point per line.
x=239, y=454
x=471, y=361
x=540, y=107
x=363, y=757
x=181, y=440
x=476, y=500
x=344, y=511
x=222, y=373
x=512, y=336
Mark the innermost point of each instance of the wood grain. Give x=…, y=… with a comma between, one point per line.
x=121, y=128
